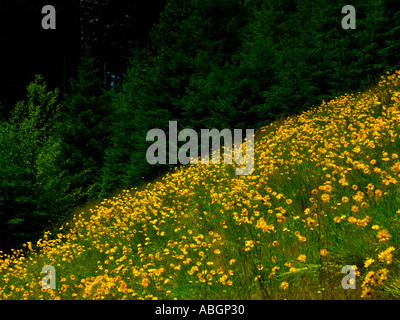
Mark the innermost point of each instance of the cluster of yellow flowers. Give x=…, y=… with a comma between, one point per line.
x=323, y=195
x=373, y=279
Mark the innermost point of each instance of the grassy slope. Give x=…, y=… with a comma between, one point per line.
x=324, y=194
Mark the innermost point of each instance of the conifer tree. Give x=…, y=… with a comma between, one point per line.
x=86, y=127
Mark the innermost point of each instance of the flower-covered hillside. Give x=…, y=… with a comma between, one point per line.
x=324, y=194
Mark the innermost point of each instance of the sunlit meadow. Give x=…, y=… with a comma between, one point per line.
x=324, y=195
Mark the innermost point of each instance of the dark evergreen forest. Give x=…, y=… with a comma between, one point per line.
x=76, y=102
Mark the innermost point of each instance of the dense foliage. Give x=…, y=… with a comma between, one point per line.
x=205, y=64
x=324, y=195
x=34, y=190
